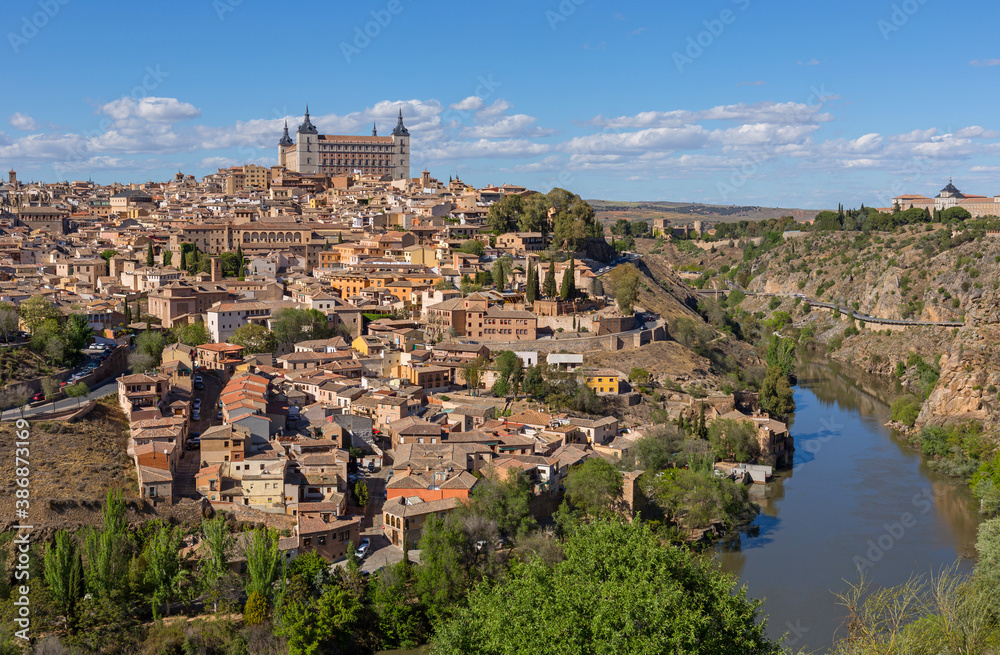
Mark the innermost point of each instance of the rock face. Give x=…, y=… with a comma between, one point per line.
x=970, y=375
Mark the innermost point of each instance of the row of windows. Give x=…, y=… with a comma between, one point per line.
x=343, y=148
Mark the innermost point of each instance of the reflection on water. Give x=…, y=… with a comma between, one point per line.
x=856, y=496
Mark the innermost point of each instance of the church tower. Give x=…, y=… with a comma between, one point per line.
x=283, y=146
x=307, y=148
x=401, y=151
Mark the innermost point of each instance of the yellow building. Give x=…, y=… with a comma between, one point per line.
x=603, y=381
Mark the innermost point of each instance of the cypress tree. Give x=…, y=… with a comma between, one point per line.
x=239, y=258
x=568, y=289
x=149, y=254
x=532, y=292
x=550, y=280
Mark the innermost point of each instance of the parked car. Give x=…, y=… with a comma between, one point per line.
x=218, y=415
x=363, y=548
x=194, y=444
x=38, y=396
x=197, y=403
x=371, y=466
x=196, y=415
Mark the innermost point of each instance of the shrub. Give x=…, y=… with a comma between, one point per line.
x=905, y=410
x=255, y=611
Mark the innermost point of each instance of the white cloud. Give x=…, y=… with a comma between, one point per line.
x=761, y=112
x=22, y=122
x=152, y=109
x=472, y=103
x=985, y=62
x=688, y=137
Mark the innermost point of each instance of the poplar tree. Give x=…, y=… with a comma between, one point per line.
x=64, y=575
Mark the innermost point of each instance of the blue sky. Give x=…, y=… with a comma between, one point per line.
x=791, y=104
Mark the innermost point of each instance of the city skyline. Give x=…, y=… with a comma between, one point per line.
x=733, y=103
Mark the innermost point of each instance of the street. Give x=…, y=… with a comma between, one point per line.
x=105, y=389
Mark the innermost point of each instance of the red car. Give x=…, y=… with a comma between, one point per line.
x=38, y=396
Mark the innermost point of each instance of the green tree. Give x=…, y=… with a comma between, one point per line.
x=77, y=332
x=625, y=282
x=214, y=563
x=619, y=590
x=781, y=354
x=500, y=270
x=568, y=289
x=472, y=373
x=255, y=339
x=64, y=575
x=531, y=295
x=326, y=627
x=595, y=487
x=108, y=550
x=775, y=394
x=291, y=325
x=36, y=310
x=240, y=263
x=361, y=493
x=168, y=257
x=9, y=320
x=79, y=391
x=399, y=618
x=734, y=440
x=503, y=216
x=504, y=502
x=190, y=334
x=150, y=261
x=163, y=572
x=15, y=397
x=639, y=376
x=443, y=576
x=473, y=247
x=550, y=280
x=263, y=561
x=231, y=264
x=621, y=228
x=152, y=343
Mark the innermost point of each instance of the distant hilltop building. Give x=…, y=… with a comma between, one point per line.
x=949, y=197
x=335, y=155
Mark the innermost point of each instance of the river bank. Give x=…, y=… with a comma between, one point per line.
x=857, y=500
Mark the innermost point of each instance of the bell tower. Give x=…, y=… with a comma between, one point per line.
x=401, y=151
x=307, y=148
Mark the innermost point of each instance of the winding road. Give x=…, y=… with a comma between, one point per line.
x=845, y=310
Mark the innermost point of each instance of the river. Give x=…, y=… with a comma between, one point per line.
x=856, y=496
